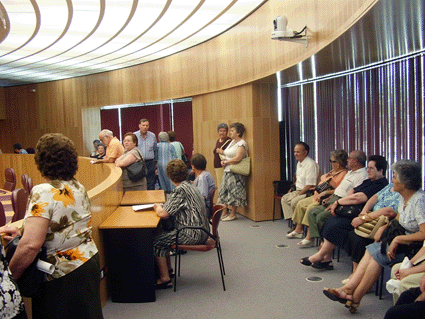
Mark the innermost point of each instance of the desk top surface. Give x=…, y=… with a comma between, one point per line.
x=126, y=217
x=143, y=197
x=5, y=199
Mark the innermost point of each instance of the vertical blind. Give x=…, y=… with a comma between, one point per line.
x=379, y=110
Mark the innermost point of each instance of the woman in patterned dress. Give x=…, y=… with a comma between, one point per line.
x=186, y=207
x=58, y=217
x=233, y=188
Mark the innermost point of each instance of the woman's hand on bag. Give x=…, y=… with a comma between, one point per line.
x=403, y=273
x=392, y=249
x=9, y=232
x=357, y=221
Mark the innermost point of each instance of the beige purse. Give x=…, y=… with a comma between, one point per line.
x=223, y=157
x=369, y=229
x=242, y=168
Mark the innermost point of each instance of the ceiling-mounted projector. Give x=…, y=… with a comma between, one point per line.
x=280, y=31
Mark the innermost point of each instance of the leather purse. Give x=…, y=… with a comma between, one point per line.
x=242, y=168
x=137, y=170
x=369, y=229
x=323, y=186
x=32, y=278
x=348, y=211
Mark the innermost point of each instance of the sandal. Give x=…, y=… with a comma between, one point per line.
x=323, y=265
x=306, y=262
x=352, y=306
x=164, y=285
x=305, y=243
x=333, y=295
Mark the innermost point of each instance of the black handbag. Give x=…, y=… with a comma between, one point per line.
x=323, y=186
x=348, y=211
x=137, y=170
x=32, y=278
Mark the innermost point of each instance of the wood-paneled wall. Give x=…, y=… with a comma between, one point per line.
x=102, y=182
x=239, y=56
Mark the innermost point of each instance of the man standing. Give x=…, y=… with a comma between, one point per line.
x=305, y=178
x=147, y=145
x=114, y=149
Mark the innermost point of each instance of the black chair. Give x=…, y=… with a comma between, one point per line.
x=212, y=242
x=280, y=189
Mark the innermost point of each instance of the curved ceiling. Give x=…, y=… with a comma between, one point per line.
x=45, y=40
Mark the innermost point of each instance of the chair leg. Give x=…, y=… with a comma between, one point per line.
x=177, y=269
x=221, y=266
x=221, y=258
x=381, y=282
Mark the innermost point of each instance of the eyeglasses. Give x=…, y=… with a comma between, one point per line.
x=331, y=161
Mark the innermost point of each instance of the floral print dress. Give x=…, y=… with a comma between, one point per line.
x=68, y=242
x=11, y=302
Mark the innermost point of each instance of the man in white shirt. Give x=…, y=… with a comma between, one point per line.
x=305, y=178
x=357, y=174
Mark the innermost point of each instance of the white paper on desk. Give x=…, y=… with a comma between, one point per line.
x=141, y=207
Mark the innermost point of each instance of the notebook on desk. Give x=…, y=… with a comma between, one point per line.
x=137, y=208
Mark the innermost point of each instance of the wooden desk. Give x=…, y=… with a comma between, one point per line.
x=5, y=199
x=128, y=239
x=143, y=197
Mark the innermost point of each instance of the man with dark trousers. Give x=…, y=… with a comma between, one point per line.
x=147, y=145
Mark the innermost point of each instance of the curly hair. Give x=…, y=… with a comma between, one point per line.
x=172, y=136
x=409, y=173
x=199, y=161
x=239, y=128
x=56, y=157
x=177, y=171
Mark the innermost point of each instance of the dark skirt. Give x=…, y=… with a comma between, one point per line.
x=74, y=296
x=336, y=230
x=356, y=246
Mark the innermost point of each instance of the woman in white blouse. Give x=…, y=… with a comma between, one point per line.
x=233, y=188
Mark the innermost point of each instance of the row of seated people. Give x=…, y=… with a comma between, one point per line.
x=353, y=198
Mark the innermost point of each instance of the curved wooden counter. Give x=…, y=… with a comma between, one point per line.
x=102, y=182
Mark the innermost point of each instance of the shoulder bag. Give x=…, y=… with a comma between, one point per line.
x=369, y=229
x=242, y=168
x=137, y=170
x=32, y=278
x=222, y=157
x=348, y=211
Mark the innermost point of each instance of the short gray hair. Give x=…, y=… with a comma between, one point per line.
x=163, y=136
x=222, y=125
x=409, y=173
x=341, y=157
x=106, y=133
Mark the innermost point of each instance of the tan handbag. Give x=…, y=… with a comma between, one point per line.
x=242, y=168
x=369, y=229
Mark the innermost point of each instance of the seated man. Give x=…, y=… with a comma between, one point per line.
x=357, y=174
x=305, y=178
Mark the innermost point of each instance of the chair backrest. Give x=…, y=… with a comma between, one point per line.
x=211, y=198
x=2, y=215
x=217, y=212
x=26, y=182
x=19, y=203
x=10, y=183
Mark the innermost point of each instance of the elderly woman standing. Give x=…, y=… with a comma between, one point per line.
x=186, y=206
x=58, y=217
x=407, y=181
x=165, y=153
x=221, y=144
x=233, y=189
x=131, y=155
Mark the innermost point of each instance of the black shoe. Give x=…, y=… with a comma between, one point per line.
x=326, y=265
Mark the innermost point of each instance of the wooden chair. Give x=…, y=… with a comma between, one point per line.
x=10, y=183
x=212, y=242
x=211, y=198
x=2, y=215
x=19, y=203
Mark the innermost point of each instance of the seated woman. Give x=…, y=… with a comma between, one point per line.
x=385, y=202
x=336, y=228
x=101, y=151
x=186, y=206
x=411, y=304
x=131, y=155
x=58, y=217
x=333, y=178
x=410, y=277
x=204, y=181
x=407, y=181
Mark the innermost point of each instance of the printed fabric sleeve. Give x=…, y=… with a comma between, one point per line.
x=175, y=202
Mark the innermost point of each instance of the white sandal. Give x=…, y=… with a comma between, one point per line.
x=305, y=243
x=294, y=234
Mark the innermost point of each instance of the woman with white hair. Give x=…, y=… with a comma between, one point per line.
x=165, y=153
